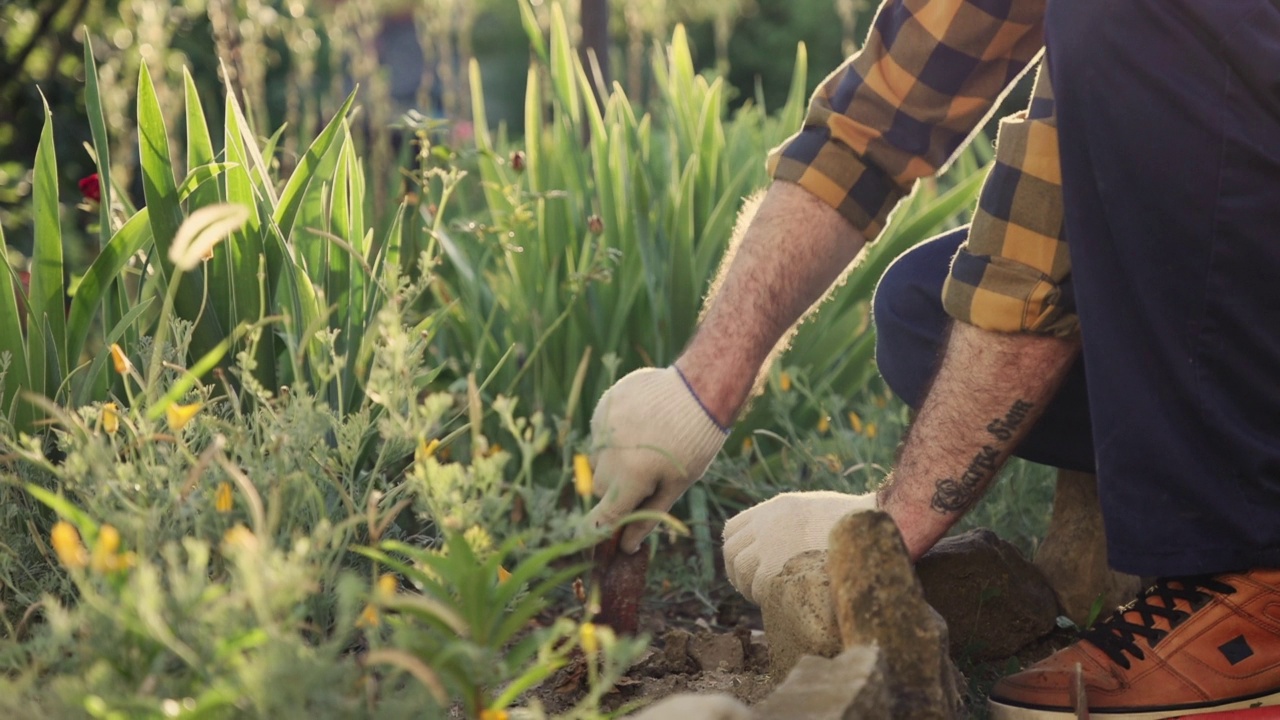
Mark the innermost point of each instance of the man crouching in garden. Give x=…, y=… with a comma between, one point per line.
x=1152, y=284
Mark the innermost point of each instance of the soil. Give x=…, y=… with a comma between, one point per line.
x=716, y=644
x=697, y=647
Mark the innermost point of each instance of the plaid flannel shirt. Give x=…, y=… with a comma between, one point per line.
x=902, y=107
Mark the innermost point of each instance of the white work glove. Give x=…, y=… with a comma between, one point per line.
x=759, y=540
x=651, y=439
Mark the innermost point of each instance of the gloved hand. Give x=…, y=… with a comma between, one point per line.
x=759, y=540
x=651, y=439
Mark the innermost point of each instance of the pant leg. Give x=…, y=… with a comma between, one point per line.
x=1169, y=125
x=911, y=328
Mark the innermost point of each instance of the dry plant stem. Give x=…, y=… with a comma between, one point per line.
x=989, y=391
x=619, y=579
x=795, y=248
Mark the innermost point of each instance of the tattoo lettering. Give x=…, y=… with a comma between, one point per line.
x=956, y=495
x=1003, y=428
x=952, y=495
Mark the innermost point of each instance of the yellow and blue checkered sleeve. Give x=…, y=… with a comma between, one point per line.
x=1010, y=275
x=900, y=109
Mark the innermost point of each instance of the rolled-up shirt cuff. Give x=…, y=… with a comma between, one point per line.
x=1001, y=295
x=861, y=192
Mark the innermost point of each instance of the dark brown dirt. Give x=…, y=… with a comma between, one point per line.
x=714, y=643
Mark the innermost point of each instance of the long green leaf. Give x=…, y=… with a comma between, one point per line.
x=65, y=510
x=101, y=142
x=47, y=298
x=11, y=342
x=533, y=30
x=292, y=195
x=239, y=255
x=165, y=215
x=106, y=268
x=199, y=144
x=562, y=58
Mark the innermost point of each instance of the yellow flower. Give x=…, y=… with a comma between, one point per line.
x=855, y=422
x=368, y=618
x=503, y=574
x=494, y=449
x=587, y=636
x=784, y=381
x=119, y=360
x=832, y=461
x=824, y=424
x=387, y=586
x=746, y=446
x=239, y=537
x=179, y=415
x=110, y=418
x=880, y=401
x=222, y=499
x=479, y=539
x=582, y=480
x=66, y=543
x=488, y=714
x=426, y=449
x=384, y=589
x=106, y=556
x=871, y=430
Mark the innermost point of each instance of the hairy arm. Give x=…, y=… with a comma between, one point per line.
x=989, y=391
x=791, y=253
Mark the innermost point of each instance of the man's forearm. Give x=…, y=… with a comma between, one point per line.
x=793, y=251
x=990, y=389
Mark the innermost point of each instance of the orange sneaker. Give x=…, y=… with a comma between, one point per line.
x=1186, y=646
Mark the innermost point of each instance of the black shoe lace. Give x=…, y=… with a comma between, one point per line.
x=1116, y=635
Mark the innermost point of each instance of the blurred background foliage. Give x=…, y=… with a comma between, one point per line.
x=294, y=62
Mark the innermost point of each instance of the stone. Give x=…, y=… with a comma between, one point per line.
x=713, y=651
x=1073, y=556
x=675, y=651
x=850, y=686
x=879, y=600
x=994, y=600
x=798, y=616
x=695, y=707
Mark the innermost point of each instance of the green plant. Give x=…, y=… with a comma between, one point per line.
x=304, y=270
x=206, y=529
x=209, y=567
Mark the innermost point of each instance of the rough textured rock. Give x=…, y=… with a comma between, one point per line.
x=879, y=600
x=798, y=616
x=850, y=686
x=1073, y=555
x=695, y=707
x=712, y=651
x=994, y=600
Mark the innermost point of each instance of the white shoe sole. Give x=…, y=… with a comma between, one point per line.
x=1266, y=707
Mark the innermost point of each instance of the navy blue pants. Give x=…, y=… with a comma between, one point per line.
x=1169, y=122
x=911, y=329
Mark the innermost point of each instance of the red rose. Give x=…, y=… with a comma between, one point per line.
x=89, y=188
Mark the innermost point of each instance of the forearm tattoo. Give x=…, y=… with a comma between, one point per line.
x=952, y=495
